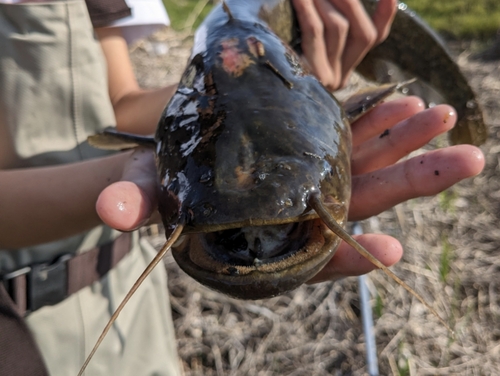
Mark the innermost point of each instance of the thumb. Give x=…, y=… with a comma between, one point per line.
x=129, y=203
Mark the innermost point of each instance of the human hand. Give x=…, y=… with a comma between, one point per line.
x=379, y=182
x=337, y=34
x=131, y=202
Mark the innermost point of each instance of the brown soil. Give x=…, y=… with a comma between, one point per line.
x=451, y=242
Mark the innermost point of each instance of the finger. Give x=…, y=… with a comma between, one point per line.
x=313, y=43
x=383, y=117
x=348, y=262
x=336, y=30
x=424, y=175
x=129, y=203
x=382, y=18
x=311, y=28
x=407, y=136
x=141, y=169
x=362, y=33
x=124, y=206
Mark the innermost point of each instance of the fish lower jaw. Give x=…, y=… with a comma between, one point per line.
x=242, y=274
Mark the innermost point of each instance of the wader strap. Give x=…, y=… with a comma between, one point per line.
x=19, y=355
x=40, y=285
x=89, y=267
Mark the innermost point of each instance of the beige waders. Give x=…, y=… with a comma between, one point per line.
x=53, y=94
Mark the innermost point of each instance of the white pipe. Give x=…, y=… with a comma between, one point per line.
x=366, y=315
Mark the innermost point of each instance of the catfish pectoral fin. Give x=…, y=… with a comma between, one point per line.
x=363, y=101
x=111, y=139
x=316, y=203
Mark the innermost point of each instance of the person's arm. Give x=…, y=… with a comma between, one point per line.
x=39, y=205
x=136, y=110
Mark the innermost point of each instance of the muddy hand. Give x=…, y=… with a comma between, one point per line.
x=337, y=34
x=380, y=139
x=131, y=202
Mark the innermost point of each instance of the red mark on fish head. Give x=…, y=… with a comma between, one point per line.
x=234, y=61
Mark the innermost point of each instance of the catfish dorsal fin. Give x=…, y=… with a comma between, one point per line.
x=163, y=251
x=111, y=139
x=227, y=10
x=316, y=203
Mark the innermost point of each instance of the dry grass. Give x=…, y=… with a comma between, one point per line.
x=451, y=242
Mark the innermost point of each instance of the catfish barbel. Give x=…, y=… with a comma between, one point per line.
x=253, y=159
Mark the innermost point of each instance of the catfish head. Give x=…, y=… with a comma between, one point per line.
x=245, y=141
x=251, y=151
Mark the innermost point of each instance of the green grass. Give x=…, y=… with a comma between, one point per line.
x=456, y=18
x=445, y=259
x=181, y=11
x=460, y=18
x=447, y=200
x=378, y=309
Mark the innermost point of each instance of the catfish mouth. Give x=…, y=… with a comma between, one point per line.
x=255, y=246
x=257, y=262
